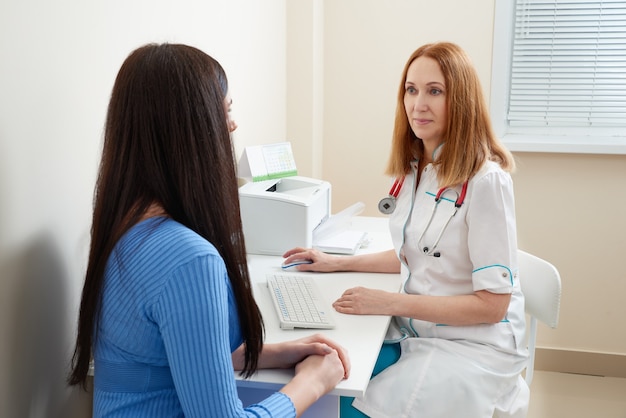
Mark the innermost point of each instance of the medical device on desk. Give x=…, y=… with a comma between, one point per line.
x=281, y=214
x=278, y=215
x=281, y=210
x=298, y=302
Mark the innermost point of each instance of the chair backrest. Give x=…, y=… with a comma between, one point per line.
x=541, y=285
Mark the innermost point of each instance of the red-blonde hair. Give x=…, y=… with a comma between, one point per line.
x=469, y=139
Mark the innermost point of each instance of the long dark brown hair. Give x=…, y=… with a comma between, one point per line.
x=469, y=138
x=166, y=141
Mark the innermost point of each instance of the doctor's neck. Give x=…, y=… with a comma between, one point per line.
x=427, y=156
x=430, y=149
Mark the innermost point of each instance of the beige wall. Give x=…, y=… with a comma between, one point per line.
x=570, y=207
x=570, y=211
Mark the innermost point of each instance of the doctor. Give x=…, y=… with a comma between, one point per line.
x=459, y=320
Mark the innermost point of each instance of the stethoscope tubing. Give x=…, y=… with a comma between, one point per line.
x=388, y=204
x=457, y=204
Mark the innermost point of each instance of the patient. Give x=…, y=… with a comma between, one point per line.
x=167, y=309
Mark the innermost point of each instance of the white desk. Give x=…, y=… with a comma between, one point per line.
x=361, y=335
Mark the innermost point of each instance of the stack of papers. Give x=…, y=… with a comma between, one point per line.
x=334, y=235
x=346, y=242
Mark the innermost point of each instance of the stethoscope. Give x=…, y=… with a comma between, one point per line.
x=388, y=204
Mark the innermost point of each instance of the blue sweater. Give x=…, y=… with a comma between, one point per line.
x=167, y=329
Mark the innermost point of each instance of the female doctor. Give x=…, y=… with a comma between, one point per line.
x=459, y=319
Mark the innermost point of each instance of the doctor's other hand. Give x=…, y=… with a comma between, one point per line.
x=364, y=301
x=320, y=262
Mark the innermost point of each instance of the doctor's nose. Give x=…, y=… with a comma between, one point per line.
x=417, y=103
x=420, y=103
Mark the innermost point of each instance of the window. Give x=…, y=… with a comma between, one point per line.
x=559, y=75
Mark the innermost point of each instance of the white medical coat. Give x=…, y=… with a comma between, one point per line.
x=448, y=371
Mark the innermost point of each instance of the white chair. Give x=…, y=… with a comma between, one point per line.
x=541, y=285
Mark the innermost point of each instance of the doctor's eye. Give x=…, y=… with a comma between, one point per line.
x=436, y=91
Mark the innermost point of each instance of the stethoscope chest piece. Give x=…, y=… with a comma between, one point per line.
x=387, y=205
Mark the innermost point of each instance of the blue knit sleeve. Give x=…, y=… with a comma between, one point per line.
x=192, y=313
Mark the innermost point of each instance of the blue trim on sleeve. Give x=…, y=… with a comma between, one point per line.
x=497, y=265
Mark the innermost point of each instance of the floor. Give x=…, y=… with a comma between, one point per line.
x=555, y=395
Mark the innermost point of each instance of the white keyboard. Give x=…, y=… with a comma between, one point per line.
x=298, y=302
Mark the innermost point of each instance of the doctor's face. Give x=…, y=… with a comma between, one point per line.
x=425, y=101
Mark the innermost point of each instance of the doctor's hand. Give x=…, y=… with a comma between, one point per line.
x=320, y=262
x=363, y=301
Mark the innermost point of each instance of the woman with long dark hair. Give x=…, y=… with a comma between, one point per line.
x=167, y=309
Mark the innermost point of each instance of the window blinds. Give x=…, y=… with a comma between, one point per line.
x=569, y=64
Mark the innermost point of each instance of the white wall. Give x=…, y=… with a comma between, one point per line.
x=58, y=61
x=305, y=84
